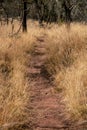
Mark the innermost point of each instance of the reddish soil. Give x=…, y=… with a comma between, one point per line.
x=47, y=111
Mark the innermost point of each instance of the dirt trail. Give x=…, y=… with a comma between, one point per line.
x=46, y=107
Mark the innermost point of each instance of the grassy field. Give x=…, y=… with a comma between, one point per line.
x=66, y=63
x=14, y=84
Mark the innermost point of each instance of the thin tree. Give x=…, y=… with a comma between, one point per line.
x=24, y=22
x=68, y=9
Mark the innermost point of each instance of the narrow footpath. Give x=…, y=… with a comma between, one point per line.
x=46, y=105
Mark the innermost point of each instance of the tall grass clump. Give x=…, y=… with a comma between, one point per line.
x=67, y=64
x=15, y=55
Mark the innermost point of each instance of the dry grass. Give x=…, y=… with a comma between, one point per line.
x=67, y=63
x=14, y=85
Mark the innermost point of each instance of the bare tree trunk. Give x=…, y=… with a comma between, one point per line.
x=67, y=8
x=40, y=9
x=7, y=19
x=24, y=23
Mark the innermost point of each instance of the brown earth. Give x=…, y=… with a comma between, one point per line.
x=47, y=110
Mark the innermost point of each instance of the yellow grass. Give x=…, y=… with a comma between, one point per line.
x=14, y=85
x=67, y=63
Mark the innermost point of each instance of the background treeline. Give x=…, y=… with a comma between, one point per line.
x=45, y=10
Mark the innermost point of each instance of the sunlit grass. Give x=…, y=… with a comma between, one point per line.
x=67, y=63
x=15, y=55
